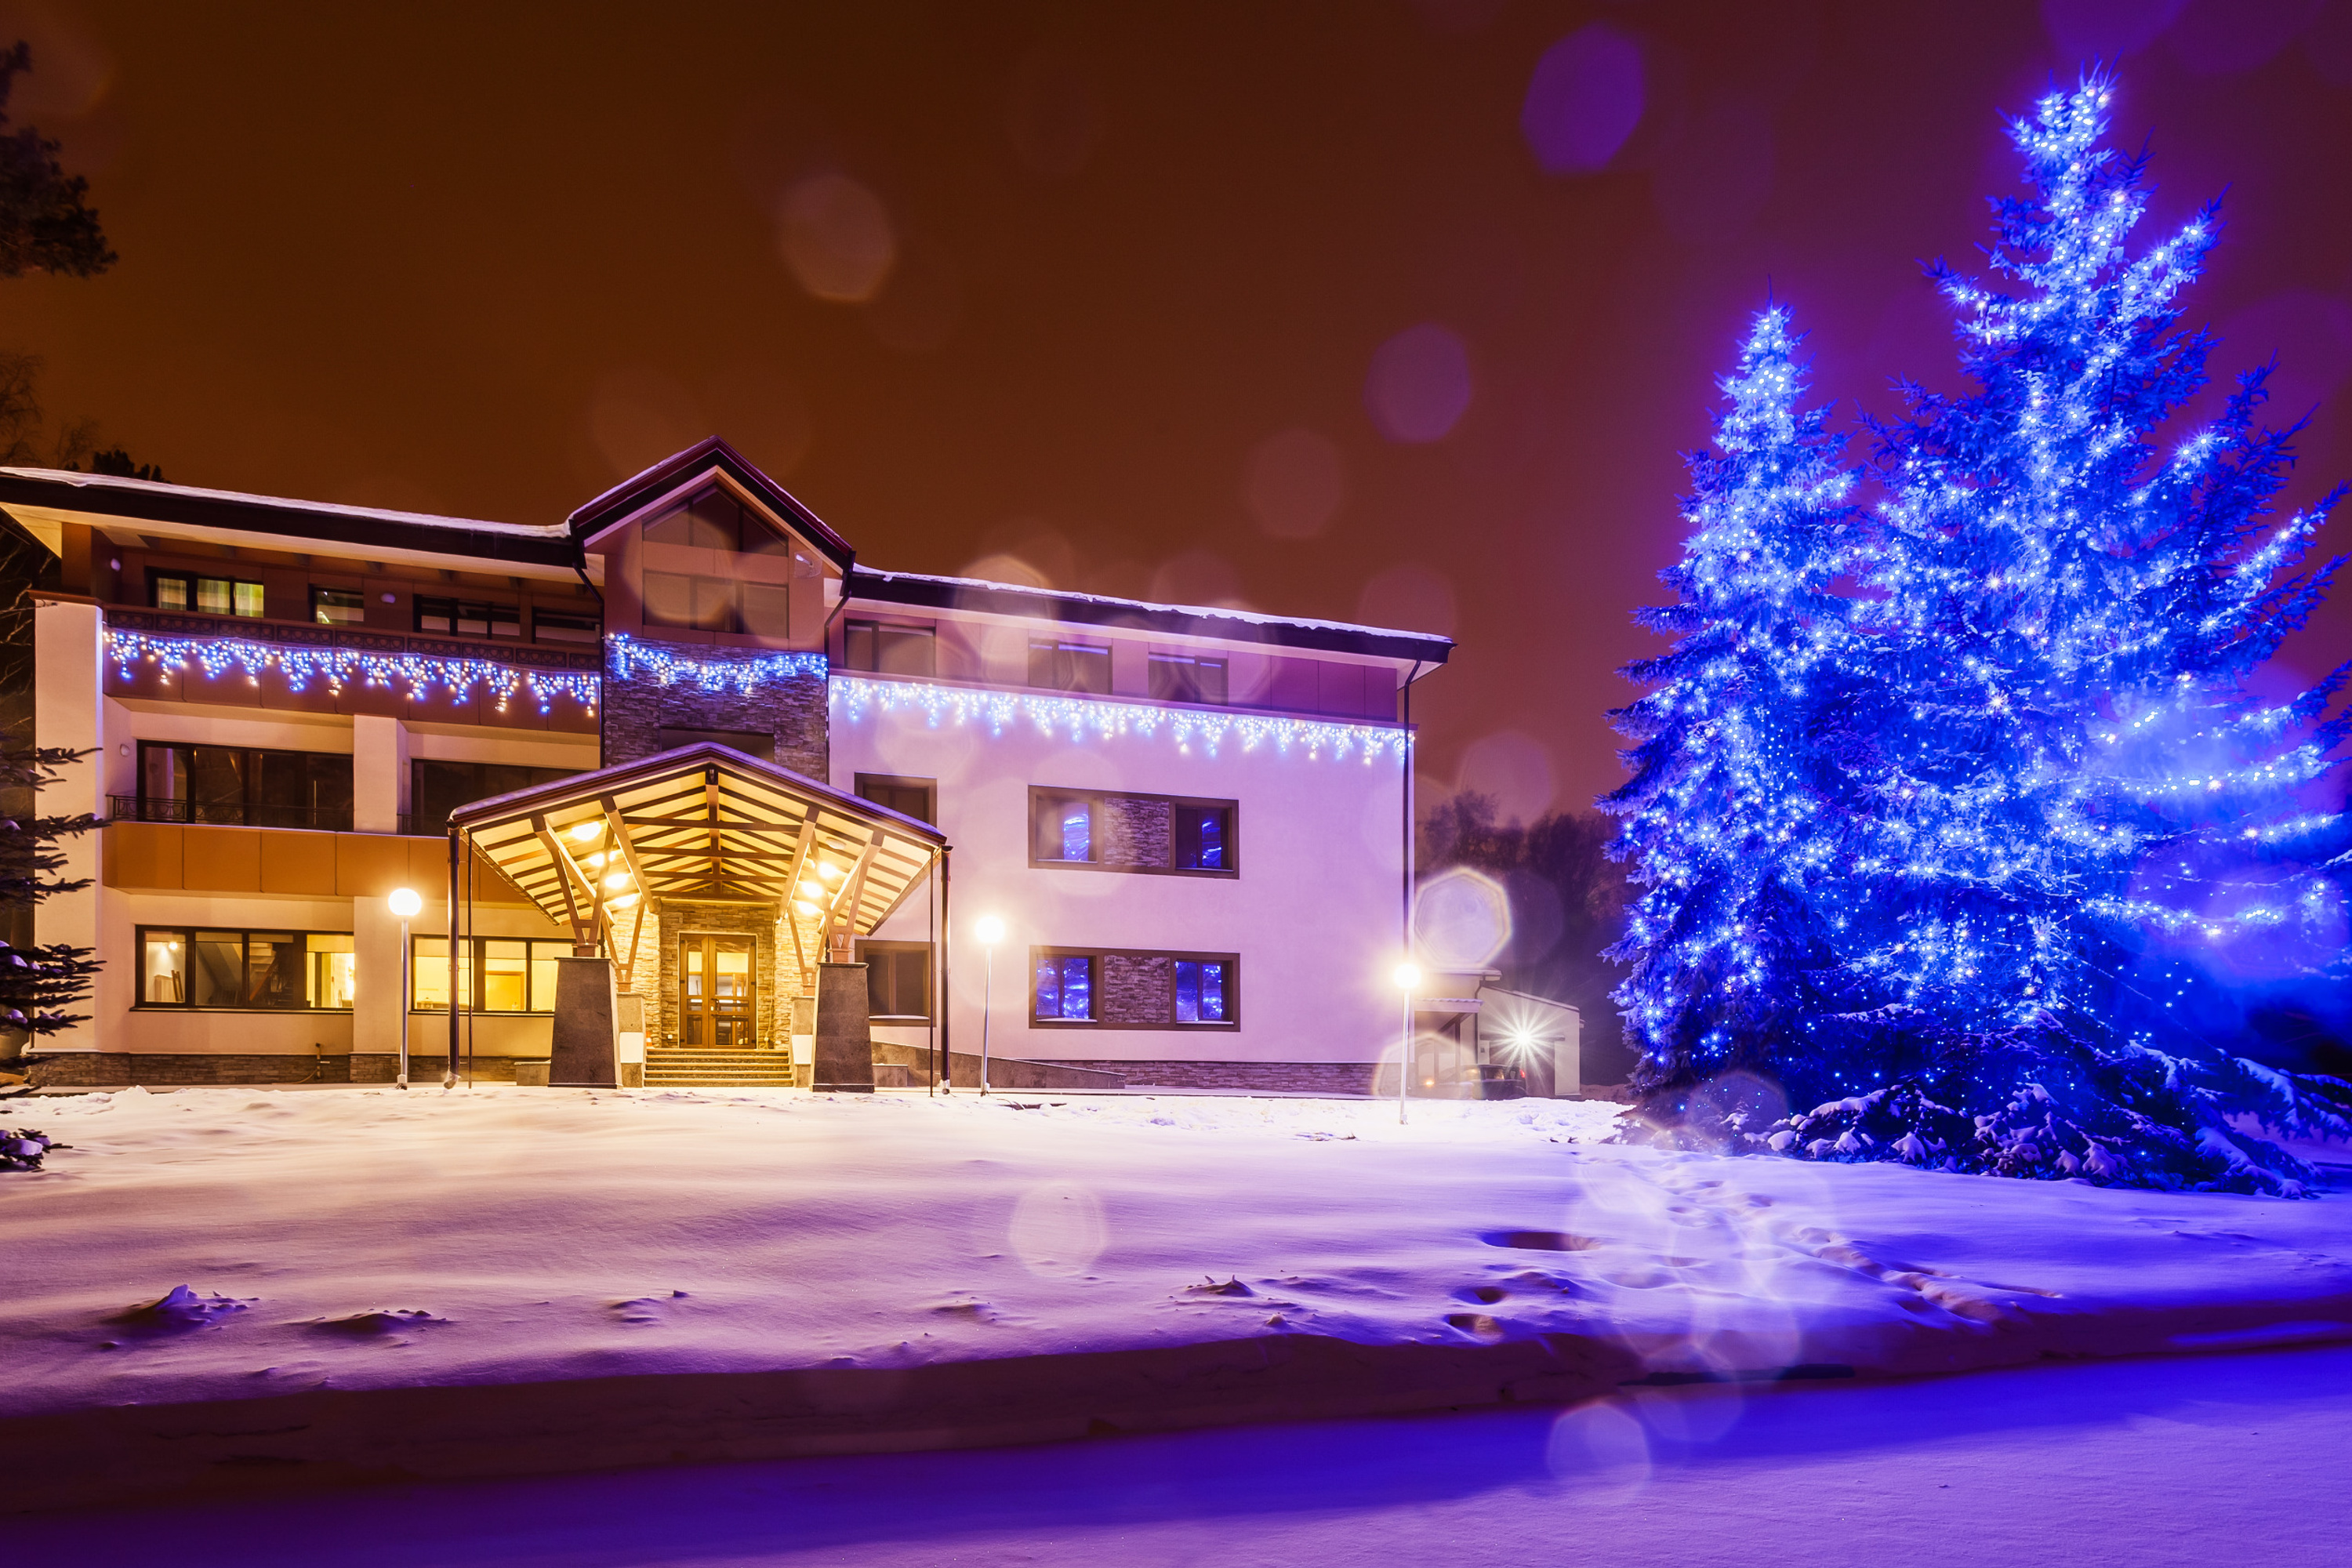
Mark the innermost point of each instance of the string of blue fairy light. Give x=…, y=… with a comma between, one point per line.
x=1085, y=719
x=338, y=668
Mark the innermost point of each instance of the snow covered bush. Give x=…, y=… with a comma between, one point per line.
x=24, y=1151
x=1950, y=852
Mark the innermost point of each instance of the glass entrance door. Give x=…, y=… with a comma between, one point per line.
x=715, y=1004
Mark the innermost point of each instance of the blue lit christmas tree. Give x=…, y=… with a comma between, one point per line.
x=1730, y=815
x=2071, y=800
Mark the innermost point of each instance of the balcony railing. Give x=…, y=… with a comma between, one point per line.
x=228, y=814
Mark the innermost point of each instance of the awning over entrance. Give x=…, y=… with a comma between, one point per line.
x=703, y=823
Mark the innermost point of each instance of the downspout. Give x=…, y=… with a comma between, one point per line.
x=580, y=568
x=939, y=1004
x=1404, y=949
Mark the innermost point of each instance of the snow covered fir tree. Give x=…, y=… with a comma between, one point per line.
x=2039, y=805
x=1725, y=812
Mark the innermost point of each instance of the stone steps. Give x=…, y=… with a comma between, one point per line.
x=684, y=1067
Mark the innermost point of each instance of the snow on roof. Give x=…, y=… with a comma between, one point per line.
x=1212, y=612
x=327, y=509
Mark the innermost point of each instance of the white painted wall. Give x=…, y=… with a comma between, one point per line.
x=68, y=645
x=1314, y=915
x=379, y=773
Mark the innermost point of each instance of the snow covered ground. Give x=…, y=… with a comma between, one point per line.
x=335, y=1243
x=2151, y=1463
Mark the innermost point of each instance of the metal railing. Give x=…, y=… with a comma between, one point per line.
x=228, y=814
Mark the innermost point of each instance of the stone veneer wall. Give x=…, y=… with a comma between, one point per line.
x=1132, y=831
x=120, y=1070
x=680, y=919
x=1138, y=989
x=791, y=710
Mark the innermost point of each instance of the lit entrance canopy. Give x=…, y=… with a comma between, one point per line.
x=704, y=822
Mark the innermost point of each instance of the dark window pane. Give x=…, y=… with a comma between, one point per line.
x=551, y=627
x=274, y=970
x=1180, y=678
x=216, y=976
x=669, y=599
x=717, y=520
x=164, y=775
x=759, y=538
x=767, y=609
x=436, y=615
x=1069, y=667
x=1202, y=834
x=908, y=650
x=216, y=784
x=338, y=606
x=860, y=645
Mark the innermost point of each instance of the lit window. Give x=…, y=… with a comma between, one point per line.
x=1199, y=991
x=246, y=971
x=1064, y=829
x=1066, y=987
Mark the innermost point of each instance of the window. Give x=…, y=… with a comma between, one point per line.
x=1154, y=833
x=1120, y=988
x=1066, y=988
x=767, y=609
x=1199, y=991
x=495, y=974
x=208, y=595
x=464, y=618
x=548, y=626
x=246, y=971
x=898, y=979
x=702, y=604
x=1181, y=678
x=1201, y=830
x=436, y=788
x=241, y=787
x=918, y=798
x=338, y=606
x=714, y=520
x=1064, y=829
x=1069, y=667
x=884, y=649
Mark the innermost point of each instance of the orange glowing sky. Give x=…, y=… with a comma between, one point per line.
x=1176, y=301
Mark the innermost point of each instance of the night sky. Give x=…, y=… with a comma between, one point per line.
x=1385, y=310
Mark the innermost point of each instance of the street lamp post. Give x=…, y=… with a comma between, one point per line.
x=1406, y=977
x=405, y=903
x=990, y=931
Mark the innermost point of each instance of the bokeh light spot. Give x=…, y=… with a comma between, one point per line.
x=837, y=238
x=1584, y=99
x=1419, y=385
x=1057, y=1229
x=1294, y=484
x=2107, y=30
x=1460, y=918
x=1408, y=596
x=1512, y=769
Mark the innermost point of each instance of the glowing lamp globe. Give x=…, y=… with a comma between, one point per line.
x=989, y=930
x=1406, y=975
x=405, y=903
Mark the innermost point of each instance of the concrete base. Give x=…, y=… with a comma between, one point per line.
x=845, y=1048
x=587, y=1042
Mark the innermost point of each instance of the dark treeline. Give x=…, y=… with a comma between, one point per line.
x=1568, y=903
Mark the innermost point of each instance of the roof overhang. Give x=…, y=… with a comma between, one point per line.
x=703, y=823
x=674, y=475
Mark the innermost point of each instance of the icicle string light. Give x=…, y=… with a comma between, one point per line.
x=1085, y=720
x=421, y=675
x=630, y=658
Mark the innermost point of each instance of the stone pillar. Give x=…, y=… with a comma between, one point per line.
x=845, y=1039
x=379, y=773
x=68, y=667
x=377, y=1004
x=587, y=1053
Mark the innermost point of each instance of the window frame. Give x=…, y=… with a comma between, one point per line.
x=1058, y=650
x=451, y=608
x=1160, y=676
x=188, y=581
x=1232, y=870
x=929, y=816
x=866, y=626
x=1231, y=1023
x=474, y=968
x=568, y=620
x=187, y=934
x=417, y=820
x=246, y=806
x=318, y=591
x=898, y=951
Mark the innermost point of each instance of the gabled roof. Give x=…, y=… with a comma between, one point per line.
x=282, y=520
x=918, y=590
x=710, y=453
x=702, y=822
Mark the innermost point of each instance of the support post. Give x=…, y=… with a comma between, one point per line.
x=456, y=846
